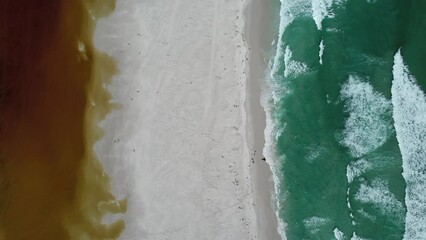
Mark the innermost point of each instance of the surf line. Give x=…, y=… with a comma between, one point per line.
x=409, y=112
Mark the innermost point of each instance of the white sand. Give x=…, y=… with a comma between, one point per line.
x=178, y=148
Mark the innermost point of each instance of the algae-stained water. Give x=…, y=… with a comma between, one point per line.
x=348, y=107
x=51, y=184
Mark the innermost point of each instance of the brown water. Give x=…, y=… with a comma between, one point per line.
x=51, y=98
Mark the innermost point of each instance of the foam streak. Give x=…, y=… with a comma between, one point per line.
x=409, y=113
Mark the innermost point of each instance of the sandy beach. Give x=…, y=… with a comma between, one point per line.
x=184, y=145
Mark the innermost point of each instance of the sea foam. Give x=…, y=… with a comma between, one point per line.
x=409, y=113
x=321, y=51
x=356, y=169
x=290, y=9
x=377, y=193
x=369, y=123
x=270, y=96
x=338, y=235
x=314, y=224
x=356, y=237
x=320, y=10
x=271, y=132
x=292, y=67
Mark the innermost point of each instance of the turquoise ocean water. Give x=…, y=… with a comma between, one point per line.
x=346, y=125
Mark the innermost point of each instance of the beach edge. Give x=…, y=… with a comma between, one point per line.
x=255, y=15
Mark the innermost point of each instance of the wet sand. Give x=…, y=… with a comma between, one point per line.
x=259, y=34
x=52, y=186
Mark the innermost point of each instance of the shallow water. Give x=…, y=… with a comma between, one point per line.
x=348, y=119
x=52, y=186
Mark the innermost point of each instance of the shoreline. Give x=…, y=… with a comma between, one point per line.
x=48, y=69
x=257, y=37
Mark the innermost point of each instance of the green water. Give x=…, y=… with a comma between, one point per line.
x=339, y=158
